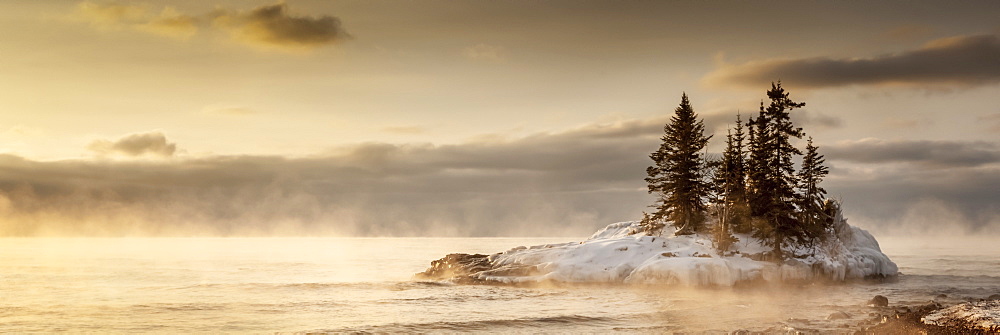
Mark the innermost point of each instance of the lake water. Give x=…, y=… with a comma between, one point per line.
x=363, y=284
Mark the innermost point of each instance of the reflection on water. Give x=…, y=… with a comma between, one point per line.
x=362, y=284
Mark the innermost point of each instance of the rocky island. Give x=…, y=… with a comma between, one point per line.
x=753, y=214
x=623, y=253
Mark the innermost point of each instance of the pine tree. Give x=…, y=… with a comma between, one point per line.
x=773, y=178
x=677, y=175
x=757, y=187
x=729, y=181
x=812, y=206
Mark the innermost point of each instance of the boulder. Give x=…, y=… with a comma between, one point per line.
x=456, y=265
x=838, y=315
x=879, y=301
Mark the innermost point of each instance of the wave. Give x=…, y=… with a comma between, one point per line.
x=392, y=286
x=496, y=325
x=282, y=286
x=977, y=278
x=175, y=307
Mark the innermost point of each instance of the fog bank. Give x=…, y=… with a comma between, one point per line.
x=548, y=184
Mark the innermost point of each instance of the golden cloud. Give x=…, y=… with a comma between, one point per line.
x=270, y=26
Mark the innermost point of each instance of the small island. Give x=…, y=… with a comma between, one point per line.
x=755, y=214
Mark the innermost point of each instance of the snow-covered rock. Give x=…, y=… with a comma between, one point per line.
x=980, y=316
x=620, y=254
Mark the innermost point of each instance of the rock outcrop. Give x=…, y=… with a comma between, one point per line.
x=620, y=253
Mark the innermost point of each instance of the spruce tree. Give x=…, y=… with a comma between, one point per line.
x=812, y=206
x=757, y=187
x=677, y=176
x=730, y=183
x=773, y=176
x=724, y=191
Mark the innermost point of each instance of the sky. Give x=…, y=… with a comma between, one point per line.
x=473, y=118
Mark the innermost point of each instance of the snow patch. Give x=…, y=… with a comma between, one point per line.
x=616, y=230
x=619, y=253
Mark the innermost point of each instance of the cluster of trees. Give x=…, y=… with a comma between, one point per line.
x=754, y=188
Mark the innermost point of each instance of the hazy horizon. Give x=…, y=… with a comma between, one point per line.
x=438, y=118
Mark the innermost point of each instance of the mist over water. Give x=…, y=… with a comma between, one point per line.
x=363, y=284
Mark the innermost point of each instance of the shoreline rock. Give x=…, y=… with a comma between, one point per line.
x=943, y=319
x=983, y=315
x=879, y=301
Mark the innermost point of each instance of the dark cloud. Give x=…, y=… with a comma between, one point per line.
x=625, y=128
x=154, y=144
x=936, y=154
x=563, y=184
x=816, y=119
x=719, y=123
x=914, y=201
x=272, y=25
x=971, y=60
x=918, y=187
x=547, y=184
x=265, y=26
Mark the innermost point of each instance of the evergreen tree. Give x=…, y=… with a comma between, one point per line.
x=812, y=206
x=677, y=175
x=773, y=191
x=730, y=181
x=731, y=208
x=757, y=187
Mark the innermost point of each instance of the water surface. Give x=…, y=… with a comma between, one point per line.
x=364, y=284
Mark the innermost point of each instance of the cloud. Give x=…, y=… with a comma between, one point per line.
x=273, y=26
x=146, y=144
x=270, y=26
x=807, y=117
x=169, y=22
x=555, y=184
x=565, y=183
x=914, y=201
x=110, y=15
x=966, y=60
x=905, y=123
x=935, y=154
x=486, y=53
x=718, y=123
x=917, y=187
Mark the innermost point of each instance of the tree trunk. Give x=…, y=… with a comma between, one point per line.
x=777, y=247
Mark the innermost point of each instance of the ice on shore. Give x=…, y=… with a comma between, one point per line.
x=981, y=315
x=618, y=253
